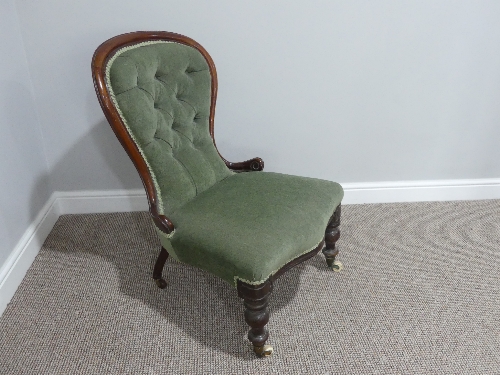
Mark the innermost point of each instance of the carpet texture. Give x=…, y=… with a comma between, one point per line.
x=420, y=294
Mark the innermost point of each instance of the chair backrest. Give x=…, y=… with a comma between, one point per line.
x=158, y=92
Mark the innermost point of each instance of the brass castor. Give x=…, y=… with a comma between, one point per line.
x=162, y=284
x=263, y=351
x=337, y=266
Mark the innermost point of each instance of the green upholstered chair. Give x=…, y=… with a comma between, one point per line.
x=246, y=226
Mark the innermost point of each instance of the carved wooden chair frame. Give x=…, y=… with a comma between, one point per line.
x=255, y=296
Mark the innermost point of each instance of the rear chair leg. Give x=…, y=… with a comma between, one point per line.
x=160, y=262
x=332, y=234
x=257, y=314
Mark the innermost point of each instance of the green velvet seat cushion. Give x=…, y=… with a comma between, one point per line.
x=249, y=225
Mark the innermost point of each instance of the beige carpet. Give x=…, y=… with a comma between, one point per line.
x=420, y=294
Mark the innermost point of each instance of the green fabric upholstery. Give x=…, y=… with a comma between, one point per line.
x=237, y=226
x=163, y=92
x=249, y=225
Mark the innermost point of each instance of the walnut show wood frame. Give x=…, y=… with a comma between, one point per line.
x=255, y=296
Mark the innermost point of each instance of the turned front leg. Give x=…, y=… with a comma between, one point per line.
x=257, y=314
x=332, y=234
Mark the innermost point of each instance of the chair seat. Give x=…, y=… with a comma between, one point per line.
x=249, y=225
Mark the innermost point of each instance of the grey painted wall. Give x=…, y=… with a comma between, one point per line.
x=24, y=187
x=353, y=91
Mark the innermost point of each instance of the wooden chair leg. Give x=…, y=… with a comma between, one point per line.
x=257, y=314
x=160, y=262
x=332, y=234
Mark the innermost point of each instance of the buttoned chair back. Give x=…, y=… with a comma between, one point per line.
x=162, y=90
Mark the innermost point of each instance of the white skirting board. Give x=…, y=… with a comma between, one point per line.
x=22, y=256
x=15, y=267
x=13, y=270
x=421, y=191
